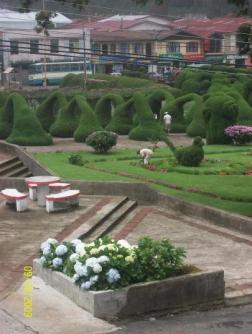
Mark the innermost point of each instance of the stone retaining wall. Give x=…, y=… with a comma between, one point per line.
x=172, y=294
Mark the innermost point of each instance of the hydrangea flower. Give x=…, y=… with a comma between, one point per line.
x=52, y=241
x=93, y=279
x=91, y=262
x=74, y=257
x=76, y=242
x=123, y=243
x=47, y=250
x=44, y=245
x=80, y=249
x=97, y=268
x=103, y=259
x=42, y=260
x=113, y=275
x=80, y=269
x=129, y=259
x=75, y=277
x=86, y=285
x=57, y=262
x=61, y=250
x=94, y=251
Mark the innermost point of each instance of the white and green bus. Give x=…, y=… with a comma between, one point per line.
x=55, y=72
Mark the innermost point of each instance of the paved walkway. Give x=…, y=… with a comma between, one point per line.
x=69, y=145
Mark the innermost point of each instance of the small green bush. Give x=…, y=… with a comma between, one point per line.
x=102, y=141
x=191, y=156
x=75, y=159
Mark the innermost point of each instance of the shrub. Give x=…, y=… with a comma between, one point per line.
x=148, y=128
x=48, y=110
x=108, y=264
x=75, y=159
x=105, y=107
x=240, y=134
x=220, y=111
x=21, y=125
x=102, y=141
x=191, y=156
x=197, y=126
x=156, y=99
x=245, y=110
x=122, y=119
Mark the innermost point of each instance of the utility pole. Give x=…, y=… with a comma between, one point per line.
x=45, y=40
x=84, y=62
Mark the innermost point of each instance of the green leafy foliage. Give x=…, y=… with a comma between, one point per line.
x=102, y=141
x=104, y=108
x=191, y=155
x=76, y=159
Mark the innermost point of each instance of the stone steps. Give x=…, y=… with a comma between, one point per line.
x=104, y=220
x=13, y=167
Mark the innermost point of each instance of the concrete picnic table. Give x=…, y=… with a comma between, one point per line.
x=42, y=183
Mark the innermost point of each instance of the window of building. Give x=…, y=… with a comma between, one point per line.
x=74, y=45
x=34, y=46
x=124, y=48
x=216, y=43
x=104, y=49
x=54, y=45
x=14, y=47
x=173, y=47
x=95, y=47
x=138, y=48
x=192, y=47
x=55, y=67
x=148, y=49
x=112, y=48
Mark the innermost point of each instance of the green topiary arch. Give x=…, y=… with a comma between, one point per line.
x=76, y=119
x=19, y=125
x=106, y=106
x=48, y=111
x=157, y=99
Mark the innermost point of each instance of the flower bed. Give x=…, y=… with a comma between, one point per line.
x=240, y=134
x=105, y=273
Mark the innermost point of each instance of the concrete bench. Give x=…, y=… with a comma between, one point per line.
x=62, y=200
x=14, y=197
x=33, y=191
x=57, y=187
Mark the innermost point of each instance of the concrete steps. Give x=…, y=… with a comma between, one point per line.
x=13, y=167
x=104, y=220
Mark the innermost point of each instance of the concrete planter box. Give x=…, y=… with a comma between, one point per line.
x=172, y=294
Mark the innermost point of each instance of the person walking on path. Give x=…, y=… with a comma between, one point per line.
x=167, y=122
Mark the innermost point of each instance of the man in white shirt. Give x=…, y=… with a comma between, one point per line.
x=167, y=121
x=145, y=153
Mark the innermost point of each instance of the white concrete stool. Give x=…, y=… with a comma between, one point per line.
x=14, y=197
x=58, y=187
x=33, y=191
x=62, y=200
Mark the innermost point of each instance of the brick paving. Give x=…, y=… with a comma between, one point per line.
x=208, y=246
x=22, y=233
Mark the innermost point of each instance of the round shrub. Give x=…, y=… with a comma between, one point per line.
x=75, y=159
x=102, y=141
x=191, y=156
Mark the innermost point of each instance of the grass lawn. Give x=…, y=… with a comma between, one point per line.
x=219, y=182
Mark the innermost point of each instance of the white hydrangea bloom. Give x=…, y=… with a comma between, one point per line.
x=93, y=279
x=103, y=259
x=74, y=257
x=102, y=247
x=47, y=250
x=113, y=275
x=44, y=245
x=80, y=269
x=91, y=244
x=57, y=262
x=52, y=241
x=61, y=250
x=75, y=277
x=86, y=285
x=94, y=251
x=123, y=243
x=42, y=260
x=97, y=268
x=76, y=242
x=80, y=249
x=91, y=262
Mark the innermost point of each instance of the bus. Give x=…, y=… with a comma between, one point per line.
x=55, y=72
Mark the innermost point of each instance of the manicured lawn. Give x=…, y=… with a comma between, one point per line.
x=209, y=184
